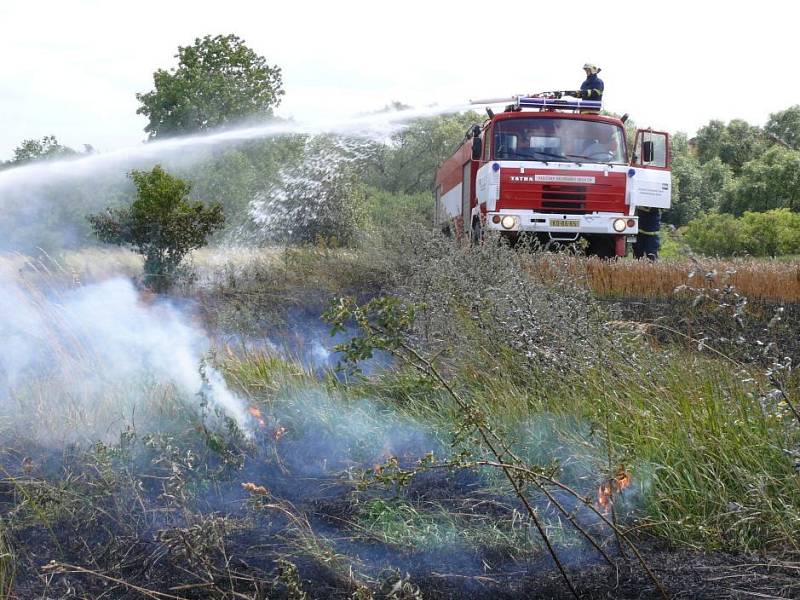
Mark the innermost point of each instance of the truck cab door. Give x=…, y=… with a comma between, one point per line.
x=649, y=177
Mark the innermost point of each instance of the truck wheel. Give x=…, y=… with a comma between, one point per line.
x=509, y=237
x=601, y=246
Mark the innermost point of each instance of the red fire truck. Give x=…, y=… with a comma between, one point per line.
x=555, y=169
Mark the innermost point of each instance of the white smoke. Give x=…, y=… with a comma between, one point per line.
x=87, y=362
x=93, y=357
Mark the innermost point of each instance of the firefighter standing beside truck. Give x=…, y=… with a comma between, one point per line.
x=647, y=241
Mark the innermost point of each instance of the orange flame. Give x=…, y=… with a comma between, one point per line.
x=256, y=490
x=606, y=491
x=256, y=414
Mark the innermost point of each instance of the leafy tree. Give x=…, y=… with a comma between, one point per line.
x=47, y=147
x=218, y=80
x=407, y=163
x=161, y=224
x=785, y=126
x=770, y=181
x=697, y=188
x=709, y=140
x=734, y=144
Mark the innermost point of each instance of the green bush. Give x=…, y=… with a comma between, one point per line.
x=772, y=180
x=161, y=224
x=771, y=233
x=386, y=209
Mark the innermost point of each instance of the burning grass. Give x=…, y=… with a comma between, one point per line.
x=377, y=486
x=219, y=515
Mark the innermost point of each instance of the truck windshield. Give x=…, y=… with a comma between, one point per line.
x=567, y=140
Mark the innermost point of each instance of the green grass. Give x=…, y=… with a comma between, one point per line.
x=706, y=455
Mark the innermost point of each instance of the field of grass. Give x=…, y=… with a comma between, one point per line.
x=512, y=411
x=757, y=279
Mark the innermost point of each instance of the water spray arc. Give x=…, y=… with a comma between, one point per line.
x=373, y=126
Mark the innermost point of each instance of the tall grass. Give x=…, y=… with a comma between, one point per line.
x=7, y=568
x=709, y=447
x=755, y=278
x=335, y=269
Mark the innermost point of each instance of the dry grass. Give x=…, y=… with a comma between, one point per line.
x=754, y=278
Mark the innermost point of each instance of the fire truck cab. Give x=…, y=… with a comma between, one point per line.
x=548, y=168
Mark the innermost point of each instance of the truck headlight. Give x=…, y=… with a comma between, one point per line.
x=619, y=225
x=508, y=222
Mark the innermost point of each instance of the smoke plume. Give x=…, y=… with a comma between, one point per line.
x=87, y=362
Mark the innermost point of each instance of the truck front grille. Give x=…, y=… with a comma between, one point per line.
x=557, y=198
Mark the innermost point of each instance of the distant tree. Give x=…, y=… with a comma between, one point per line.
x=407, y=163
x=734, y=144
x=709, y=140
x=233, y=176
x=770, y=181
x=161, y=224
x=785, y=126
x=218, y=80
x=47, y=147
x=697, y=188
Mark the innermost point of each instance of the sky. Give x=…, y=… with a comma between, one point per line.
x=71, y=68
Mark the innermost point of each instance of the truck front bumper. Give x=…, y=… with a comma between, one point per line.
x=561, y=224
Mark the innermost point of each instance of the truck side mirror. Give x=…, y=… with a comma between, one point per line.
x=477, y=148
x=648, y=152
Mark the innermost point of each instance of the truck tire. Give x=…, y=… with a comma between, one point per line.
x=601, y=246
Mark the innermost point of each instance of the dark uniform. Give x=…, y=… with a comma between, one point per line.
x=592, y=88
x=647, y=242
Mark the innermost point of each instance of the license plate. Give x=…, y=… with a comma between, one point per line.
x=564, y=223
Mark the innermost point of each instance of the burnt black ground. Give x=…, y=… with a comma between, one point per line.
x=144, y=557
x=680, y=322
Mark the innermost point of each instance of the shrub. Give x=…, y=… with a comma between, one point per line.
x=771, y=233
x=386, y=209
x=161, y=224
x=320, y=199
x=715, y=234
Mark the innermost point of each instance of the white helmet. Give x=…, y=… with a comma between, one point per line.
x=592, y=68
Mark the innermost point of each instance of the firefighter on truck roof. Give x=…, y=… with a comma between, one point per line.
x=592, y=88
